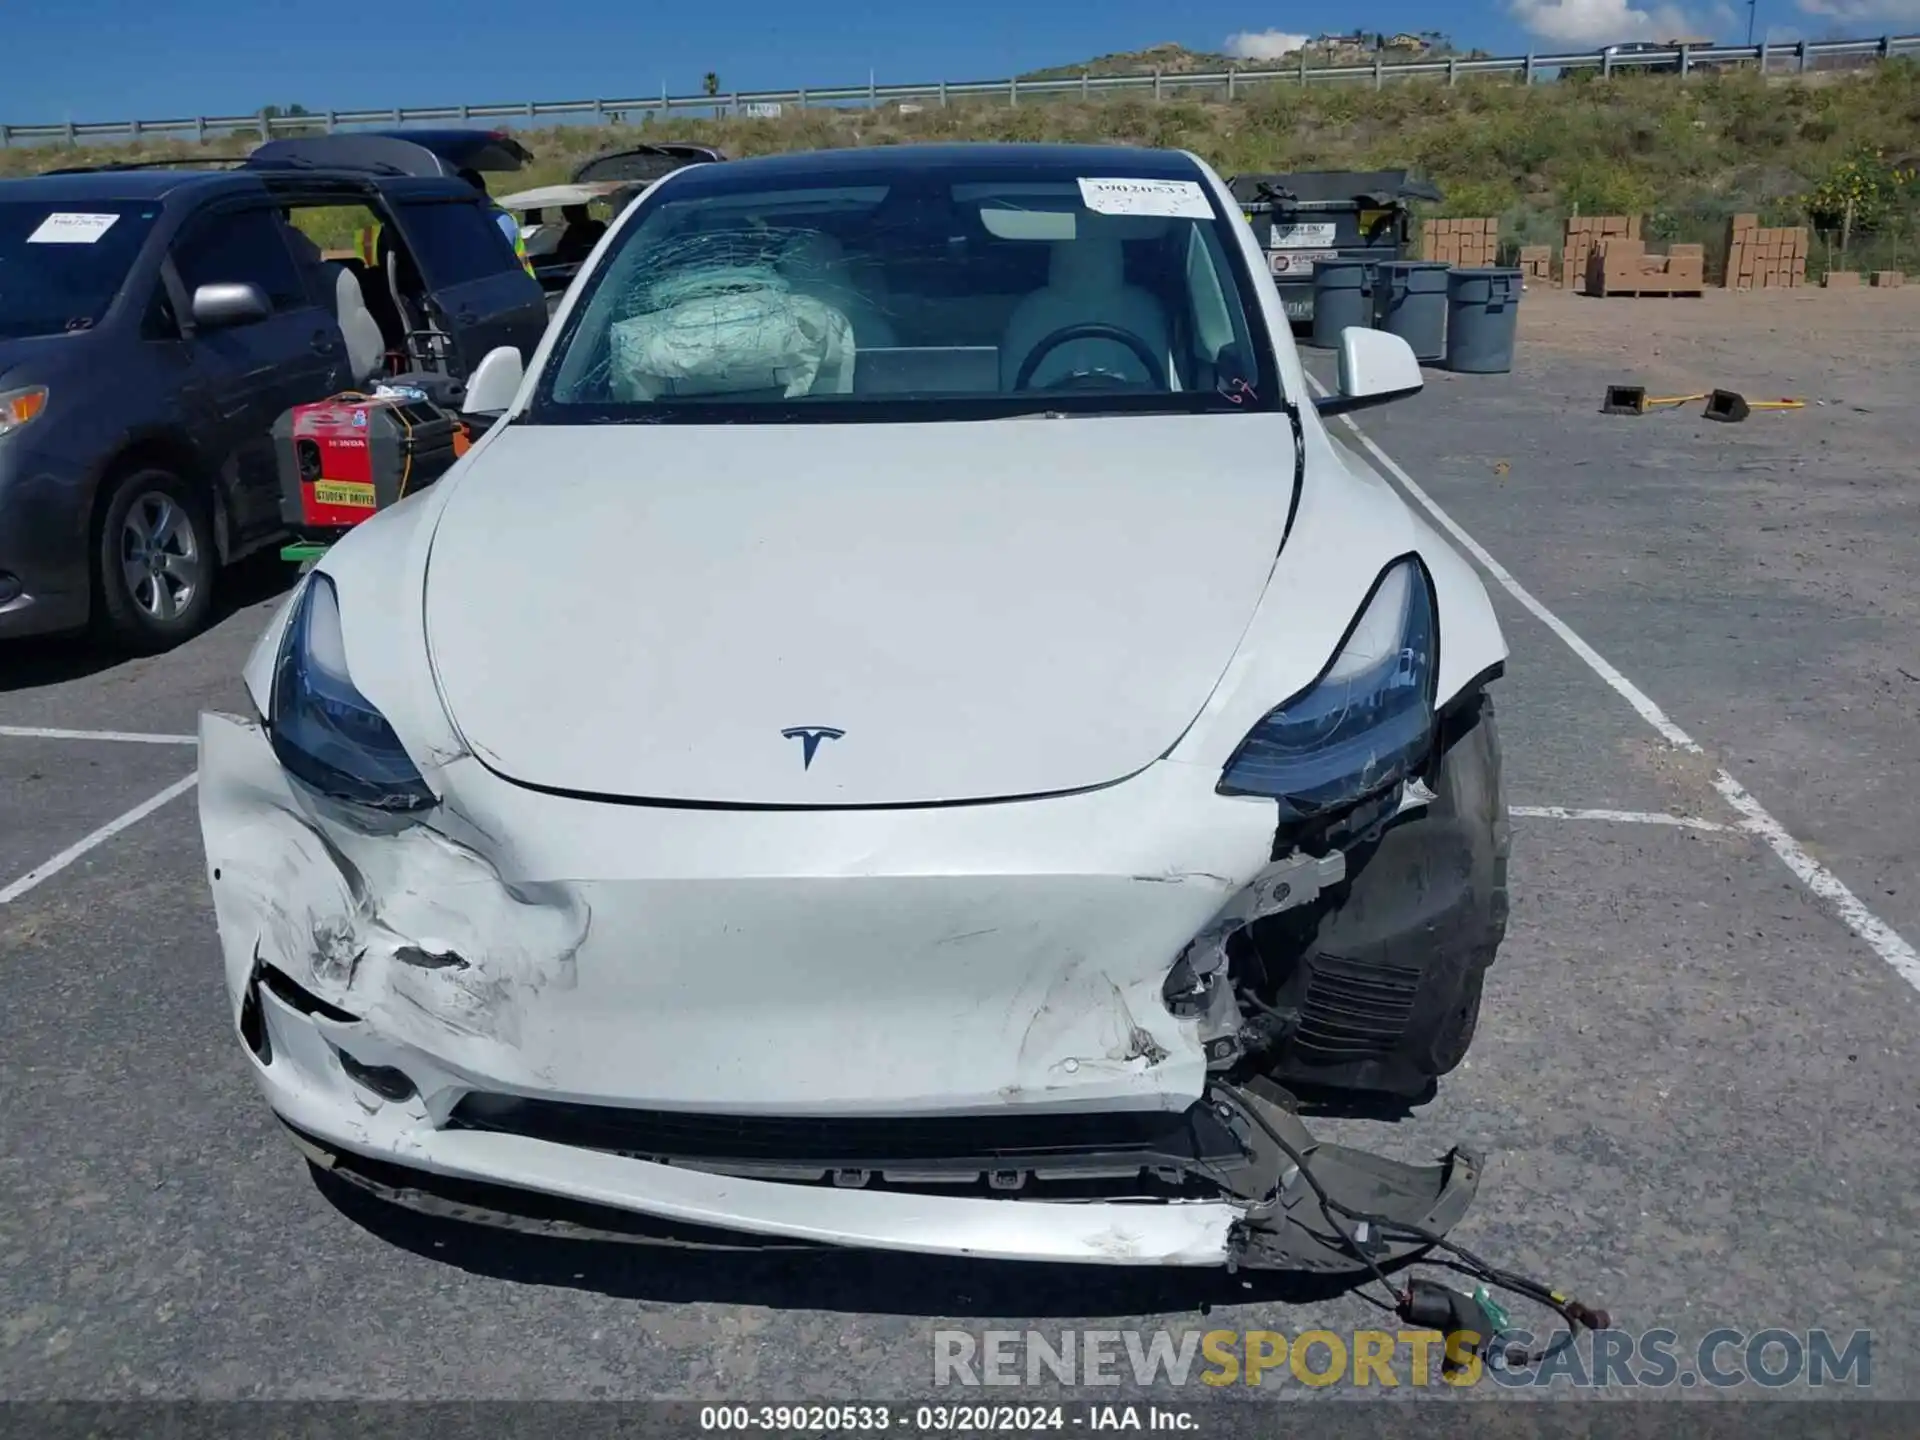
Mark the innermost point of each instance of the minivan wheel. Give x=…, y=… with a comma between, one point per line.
x=155, y=562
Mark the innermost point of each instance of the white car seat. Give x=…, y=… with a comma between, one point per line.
x=1086, y=285
x=366, y=346
x=341, y=293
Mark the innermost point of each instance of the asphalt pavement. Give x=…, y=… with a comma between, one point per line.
x=1694, y=1078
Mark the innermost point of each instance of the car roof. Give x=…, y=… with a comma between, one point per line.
x=134, y=184
x=1091, y=160
x=110, y=184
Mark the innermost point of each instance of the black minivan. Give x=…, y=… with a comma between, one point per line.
x=155, y=322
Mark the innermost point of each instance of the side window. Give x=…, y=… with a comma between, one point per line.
x=241, y=247
x=457, y=242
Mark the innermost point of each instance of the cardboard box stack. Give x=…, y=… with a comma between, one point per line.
x=1621, y=266
x=1536, y=263
x=1841, y=280
x=1467, y=243
x=1765, y=259
x=1584, y=233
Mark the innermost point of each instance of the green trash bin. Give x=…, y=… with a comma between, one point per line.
x=1410, y=300
x=1342, y=297
x=1483, y=307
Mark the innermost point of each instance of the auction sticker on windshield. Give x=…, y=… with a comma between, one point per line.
x=1317, y=233
x=67, y=228
x=1180, y=199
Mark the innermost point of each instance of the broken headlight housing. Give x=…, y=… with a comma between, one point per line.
x=324, y=731
x=1365, y=724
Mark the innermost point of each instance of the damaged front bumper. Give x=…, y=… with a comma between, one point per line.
x=945, y=1031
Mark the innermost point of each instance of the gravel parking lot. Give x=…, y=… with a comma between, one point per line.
x=1695, y=1074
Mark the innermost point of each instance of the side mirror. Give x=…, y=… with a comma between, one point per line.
x=1376, y=366
x=494, y=382
x=221, y=307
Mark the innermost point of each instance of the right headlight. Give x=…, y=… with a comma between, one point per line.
x=324, y=731
x=1365, y=724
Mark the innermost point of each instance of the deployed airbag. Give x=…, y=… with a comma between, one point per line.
x=731, y=330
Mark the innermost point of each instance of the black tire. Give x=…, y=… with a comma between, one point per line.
x=1473, y=780
x=1387, y=981
x=151, y=598
x=1450, y=1046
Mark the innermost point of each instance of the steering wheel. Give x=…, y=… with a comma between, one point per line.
x=1156, y=369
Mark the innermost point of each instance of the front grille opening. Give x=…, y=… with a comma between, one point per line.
x=253, y=1026
x=383, y=1080
x=1355, y=1009
x=299, y=999
x=1151, y=1155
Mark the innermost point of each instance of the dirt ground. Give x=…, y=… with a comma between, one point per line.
x=1811, y=481
x=1829, y=347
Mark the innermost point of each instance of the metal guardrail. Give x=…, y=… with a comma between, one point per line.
x=1799, y=57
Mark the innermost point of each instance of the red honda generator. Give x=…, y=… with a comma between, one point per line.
x=345, y=458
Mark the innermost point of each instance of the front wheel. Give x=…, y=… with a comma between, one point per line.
x=1387, y=984
x=155, y=562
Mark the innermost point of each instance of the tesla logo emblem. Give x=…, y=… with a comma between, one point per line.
x=810, y=737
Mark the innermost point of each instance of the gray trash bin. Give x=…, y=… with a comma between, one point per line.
x=1482, y=309
x=1410, y=300
x=1342, y=297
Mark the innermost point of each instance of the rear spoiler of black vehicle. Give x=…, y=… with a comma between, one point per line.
x=643, y=164
x=395, y=152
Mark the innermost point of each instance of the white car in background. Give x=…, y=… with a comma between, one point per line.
x=906, y=733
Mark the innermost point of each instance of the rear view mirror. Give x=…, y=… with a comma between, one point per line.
x=1375, y=367
x=221, y=307
x=496, y=380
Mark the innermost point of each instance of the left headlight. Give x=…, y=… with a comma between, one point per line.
x=1365, y=724
x=324, y=731
x=17, y=407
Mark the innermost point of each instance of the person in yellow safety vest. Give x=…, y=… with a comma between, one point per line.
x=366, y=240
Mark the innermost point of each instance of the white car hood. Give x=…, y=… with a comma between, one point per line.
x=982, y=609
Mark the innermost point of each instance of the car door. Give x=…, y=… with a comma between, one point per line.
x=245, y=377
x=477, y=289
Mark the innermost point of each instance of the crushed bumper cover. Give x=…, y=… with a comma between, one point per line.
x=430, y=997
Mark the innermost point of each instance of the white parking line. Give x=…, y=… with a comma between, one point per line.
x=1618, y=817
x=106, y=832
x=124, y=737
x=1853, y=912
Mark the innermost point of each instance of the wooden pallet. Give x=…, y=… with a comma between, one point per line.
x=1611, y=293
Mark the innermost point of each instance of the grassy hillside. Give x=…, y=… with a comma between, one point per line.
x=1169, y=59
x=1686, y=155
x=1173, y=60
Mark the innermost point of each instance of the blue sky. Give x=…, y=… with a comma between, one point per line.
x=152, y=59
